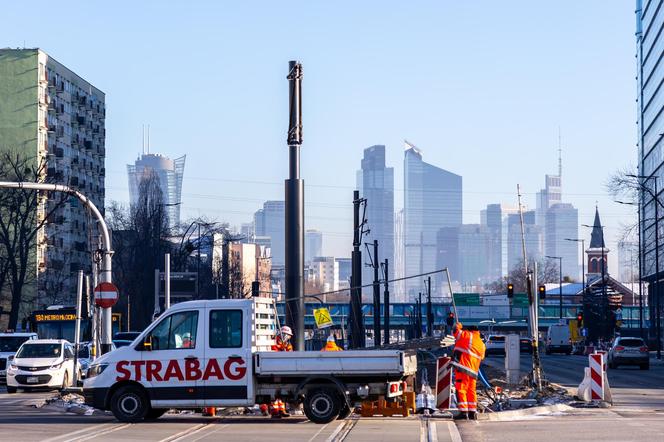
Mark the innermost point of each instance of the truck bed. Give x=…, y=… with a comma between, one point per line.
x=339, y=363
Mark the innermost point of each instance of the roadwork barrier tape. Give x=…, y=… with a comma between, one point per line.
x=444, y=383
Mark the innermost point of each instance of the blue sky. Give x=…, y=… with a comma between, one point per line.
x=481, y=87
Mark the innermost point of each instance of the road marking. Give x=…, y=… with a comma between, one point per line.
x=454, y=432
x=211, y=432
x=99, y=433
x=318, y=432
x=432, y=433
x=67, y=436
x=185, y=433
x=342, y=430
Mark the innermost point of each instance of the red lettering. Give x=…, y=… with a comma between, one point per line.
x=213, y=369
x=173, y=371
x=152, y=369
x=236, y=374
x=121, y=367
x=192, y=369
x=137, y=369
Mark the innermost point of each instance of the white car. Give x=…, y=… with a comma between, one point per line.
x=495, y=345
x=9, y=344
x=41, y=363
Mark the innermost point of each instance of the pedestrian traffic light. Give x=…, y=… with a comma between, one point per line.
x=255, y=288
x=542, y=292
x=510, y=290
x=579, y=320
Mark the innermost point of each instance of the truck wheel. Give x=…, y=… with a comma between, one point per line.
x=129, y=404
x=155, y=413
x=344, y=412
x=322, y=405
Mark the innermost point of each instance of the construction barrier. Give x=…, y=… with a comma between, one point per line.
x=596, y=362
x=444, y=383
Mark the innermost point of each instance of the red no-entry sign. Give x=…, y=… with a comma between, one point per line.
x=106, y=295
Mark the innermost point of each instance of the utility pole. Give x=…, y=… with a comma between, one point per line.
x=419, y=315
x=386, y=303
x=376, y=296
x=294, y=205
x=356, y=320
x=429, y=309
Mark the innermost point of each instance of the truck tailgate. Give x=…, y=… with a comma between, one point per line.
x=345, y=363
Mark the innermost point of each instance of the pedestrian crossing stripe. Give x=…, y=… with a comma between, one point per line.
x=323, y=317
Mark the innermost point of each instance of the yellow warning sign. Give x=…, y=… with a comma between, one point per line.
x=323, y=317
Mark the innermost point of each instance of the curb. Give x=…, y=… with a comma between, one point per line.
x=515, y=414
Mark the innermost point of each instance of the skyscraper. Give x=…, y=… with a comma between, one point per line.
x=375, y=182
x=270, y=221
x=169, y=172
x=547, y=197
x=313, y=245
x=534, y=239
x=650, y=74
x=432, y=200
x=474, y=246
x=562, y=221
x=51, y=116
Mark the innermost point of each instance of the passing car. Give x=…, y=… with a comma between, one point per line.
x=495, y=345
x=41, y=363
x=126, y=336
x=9, y=344
x=629, y=351
x=558, y=339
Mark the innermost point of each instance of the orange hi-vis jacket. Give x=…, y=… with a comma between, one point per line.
x=470, y=350
x=331, y=346
x=282, y=346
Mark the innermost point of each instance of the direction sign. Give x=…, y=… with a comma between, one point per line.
x=322, y=317
x=106, y=295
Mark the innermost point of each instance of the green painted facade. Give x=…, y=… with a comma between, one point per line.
x=19, y=101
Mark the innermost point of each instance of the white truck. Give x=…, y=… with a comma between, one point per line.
x=218, y=354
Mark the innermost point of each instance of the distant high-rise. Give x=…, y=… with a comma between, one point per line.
x=562, y=221
x=432, y=200
x=534, y=239
x=398, y=264
x=494, y=218
x=313, y=245
x=270, y=221
x=169, y=172
x=474, y=246
x=547, y=197
x=448, y=254
x=375, y=182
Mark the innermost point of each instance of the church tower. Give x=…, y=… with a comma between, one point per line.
x=597, y=252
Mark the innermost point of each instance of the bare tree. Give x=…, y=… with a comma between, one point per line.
x=24, y=214
x=547, y=272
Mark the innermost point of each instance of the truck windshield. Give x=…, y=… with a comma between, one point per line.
x=39, y=351
x=11, y=343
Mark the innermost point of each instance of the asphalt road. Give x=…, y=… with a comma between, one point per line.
x=638, y=415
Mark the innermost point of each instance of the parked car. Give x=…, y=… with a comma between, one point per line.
x=41, y=363
x=525, y=345
x=121, y=342
x=85, y=356
x=629, y=351
x=9, y=345
x=495, y=345
x=558, y=339
x=126, y=336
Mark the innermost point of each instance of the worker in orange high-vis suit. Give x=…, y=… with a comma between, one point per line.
x=278, y=407
x=331, y=345
x=468, y=354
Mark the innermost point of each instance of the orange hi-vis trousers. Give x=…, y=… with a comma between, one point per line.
x=466, y=391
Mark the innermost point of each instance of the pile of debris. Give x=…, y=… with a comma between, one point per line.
x=69, y=403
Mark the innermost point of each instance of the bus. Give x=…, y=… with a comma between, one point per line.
x=59, y=322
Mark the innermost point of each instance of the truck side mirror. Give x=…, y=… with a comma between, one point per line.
x=147, y=343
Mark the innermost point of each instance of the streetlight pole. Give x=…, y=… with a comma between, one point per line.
x=657, y=316
x=560, y=281
x=638, y=215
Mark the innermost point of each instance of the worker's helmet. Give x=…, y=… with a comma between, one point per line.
x=331, y=339
x=286, y=330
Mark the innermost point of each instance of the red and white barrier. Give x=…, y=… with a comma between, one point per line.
x=444, y=383
x=596, y=362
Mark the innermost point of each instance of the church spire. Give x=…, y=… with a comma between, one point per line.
x=597, y=235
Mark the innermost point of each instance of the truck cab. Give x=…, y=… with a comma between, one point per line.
x=217, y=353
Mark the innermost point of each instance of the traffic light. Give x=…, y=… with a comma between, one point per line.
x=255, y=288
x=579, y=320
x=542, y=292
x=510, y=290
